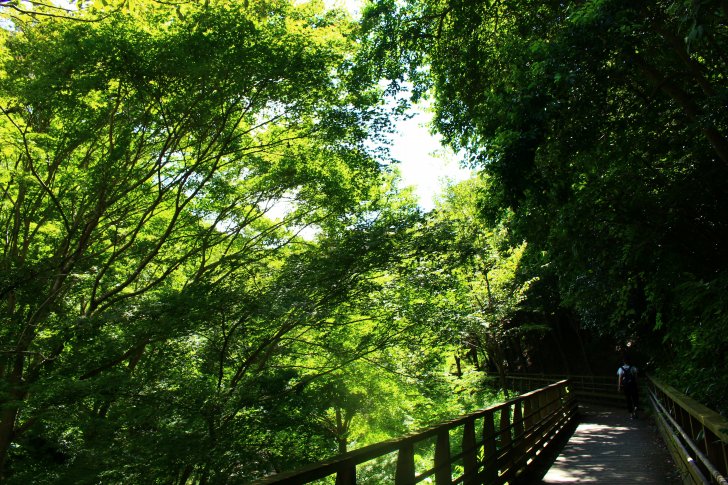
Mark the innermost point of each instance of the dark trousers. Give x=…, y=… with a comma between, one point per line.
x=631, y=395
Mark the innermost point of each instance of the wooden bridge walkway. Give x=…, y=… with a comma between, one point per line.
x=513, y=442
x=610, y=448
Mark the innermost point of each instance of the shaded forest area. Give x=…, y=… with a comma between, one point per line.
x=209, y=272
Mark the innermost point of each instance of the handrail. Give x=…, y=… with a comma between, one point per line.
x=587, y=388
x=575, y=381
x=513, y=434
x=570, y=376
x=697, y=436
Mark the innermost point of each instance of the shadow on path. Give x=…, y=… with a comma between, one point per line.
x=610, y=448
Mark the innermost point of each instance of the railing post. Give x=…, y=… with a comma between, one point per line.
x=346, y=476
x=528, y=413
x=443, y=475
x=504, y=430
x=553, y=394
x=490, y=450
x=542, y=400
x=715, y=449
x=518, y=434
x=505, y=437
x=470, y=458
x=528, y=421
x=405, y=474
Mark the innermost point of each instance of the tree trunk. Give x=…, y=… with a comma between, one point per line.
x=7, y=434
x=582, y=349
x=9, y=414
x=341, y=430
x=474, y=354
x=497, y=357
x=558, y=339
x=186, y=473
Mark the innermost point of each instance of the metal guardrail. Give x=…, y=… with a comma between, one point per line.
x=696, y=436
x=513, y=435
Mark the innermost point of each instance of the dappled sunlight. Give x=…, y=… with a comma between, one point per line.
x=608, y=447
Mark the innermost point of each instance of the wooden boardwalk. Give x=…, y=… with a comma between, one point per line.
x=610, y=448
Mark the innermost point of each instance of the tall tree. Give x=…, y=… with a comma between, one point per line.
x=141, y=153
x=602, y=125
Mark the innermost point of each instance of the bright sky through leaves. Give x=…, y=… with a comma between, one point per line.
x=425, y=164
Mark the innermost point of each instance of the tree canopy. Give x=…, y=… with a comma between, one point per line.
x=602, y=129
x=210, y=274
x=145, y=277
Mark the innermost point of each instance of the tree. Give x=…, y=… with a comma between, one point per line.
x=141, y=153
x=602, y=128
x=490, y=289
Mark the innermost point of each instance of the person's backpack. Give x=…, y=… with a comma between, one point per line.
x=628, y=378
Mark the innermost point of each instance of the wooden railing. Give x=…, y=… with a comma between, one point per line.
x=498, y=444
x=696, y=436
x=595, y=389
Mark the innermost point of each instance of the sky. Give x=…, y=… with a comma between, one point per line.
x=424, y=163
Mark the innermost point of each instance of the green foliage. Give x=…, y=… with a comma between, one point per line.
x=159, y=322
x=164, y=319
x=600, y=127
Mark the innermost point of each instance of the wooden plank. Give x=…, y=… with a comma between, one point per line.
x=490, y=451
x=345, y=464
x=519, y=446
x=504, y=431
x=709, y=418
x=689, y=470
x=443, y=475
x=346, y=476
x=528, y=413
x=405, y=474
x=610, y=448
x=470, y=457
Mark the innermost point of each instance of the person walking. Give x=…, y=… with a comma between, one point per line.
x=627, y=383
